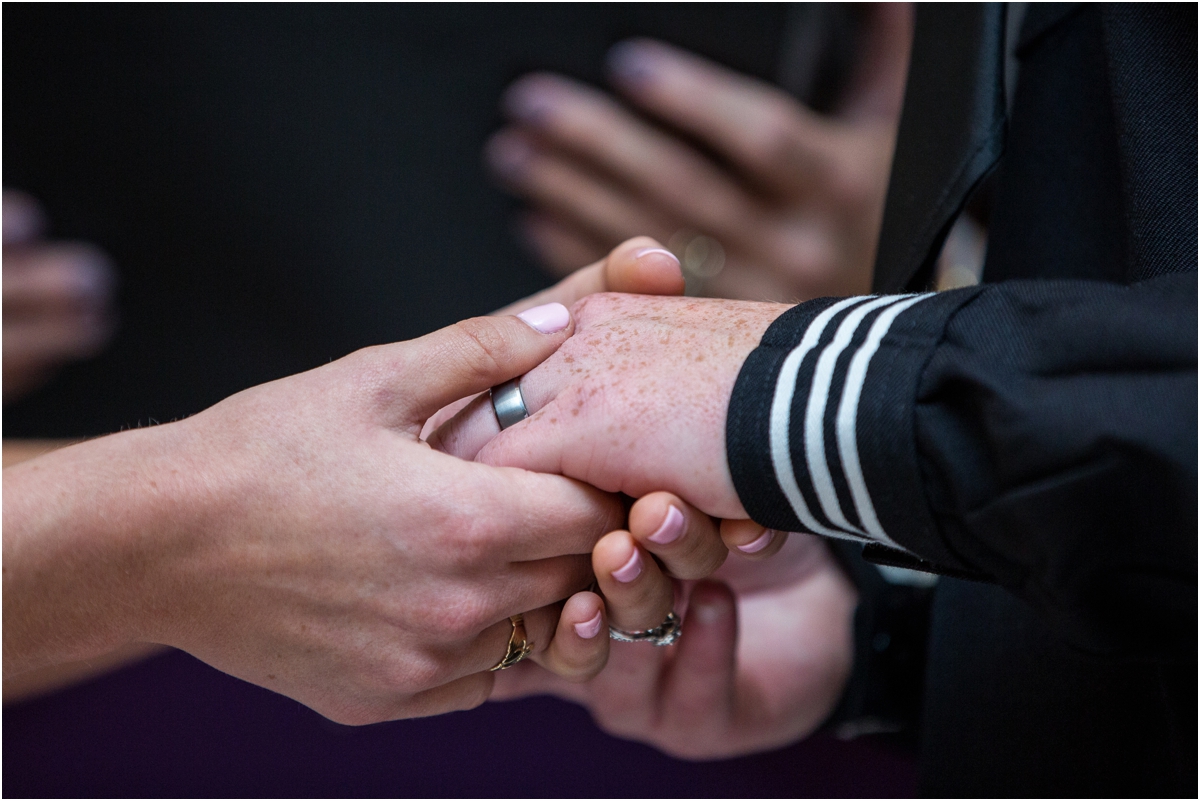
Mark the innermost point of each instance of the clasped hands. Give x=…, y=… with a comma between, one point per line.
x=305, y=536
x=634, y=402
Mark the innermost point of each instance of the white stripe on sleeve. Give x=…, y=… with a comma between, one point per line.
x=847, y=418
x=781, y=412
x=814, y=417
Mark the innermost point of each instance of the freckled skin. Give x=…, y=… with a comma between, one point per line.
x=646, y=381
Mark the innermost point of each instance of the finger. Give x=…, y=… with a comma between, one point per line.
x=750, y=540
x=55, y=337
x=640, y=266
x=56, y=277
x=546, y=516
x=625, y=696
x=492, y=644
x=540, y=582
x=698, y=690
x=637, y=594
x=555, y=180
x=466, y=358
x=529, y=678
x=683, y=538
x=443, y=414
x=758, y=127
x=686, y=185
x=466, y=692
x=579, y=647
x=23, y=219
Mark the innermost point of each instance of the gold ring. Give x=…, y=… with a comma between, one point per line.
x=519, y=646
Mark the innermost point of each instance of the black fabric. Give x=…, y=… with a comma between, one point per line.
x=1013, y=711
x=951, y=135
x=1054, y=427
x=1073, y=168
x=1056, y=423
x=891, y=629
x=1152, y=72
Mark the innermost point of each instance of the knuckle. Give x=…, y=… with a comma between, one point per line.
x=459, y=617
x=482, y=347
x=474, y=693
x=774, y=138
x=416, y=672
x=468, y=542
x=359, y=715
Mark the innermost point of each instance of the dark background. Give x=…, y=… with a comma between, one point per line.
x=277, y=186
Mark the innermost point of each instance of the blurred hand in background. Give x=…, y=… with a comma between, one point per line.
x=759, y=196
x=57, y=299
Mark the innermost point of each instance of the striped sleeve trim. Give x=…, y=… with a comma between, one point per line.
x=835, y=426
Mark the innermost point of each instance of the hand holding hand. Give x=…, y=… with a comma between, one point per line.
x=765, y=652
x=634, y=402
x=301, y=536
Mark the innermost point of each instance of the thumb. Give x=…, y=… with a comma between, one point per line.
x=479, y=353
x=639, y=266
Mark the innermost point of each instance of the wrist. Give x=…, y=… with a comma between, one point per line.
x=86, y=532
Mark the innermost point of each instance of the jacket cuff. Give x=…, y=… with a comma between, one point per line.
x=820, y=429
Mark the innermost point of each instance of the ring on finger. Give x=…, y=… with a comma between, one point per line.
x=664, y=634
x=509, y=403
x=519, y=645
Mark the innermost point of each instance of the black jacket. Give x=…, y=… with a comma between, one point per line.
x=1035, y=435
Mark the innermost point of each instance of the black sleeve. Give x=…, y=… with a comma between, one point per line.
x=1038, y=434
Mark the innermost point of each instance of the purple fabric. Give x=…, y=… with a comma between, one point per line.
x=173, y=726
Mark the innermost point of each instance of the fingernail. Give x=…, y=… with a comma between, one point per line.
x=548, y=319
x=670, y=529
x=509, y=155
x=591, y=628
x=631, y=569
x=762, y=542
x=530, y=102
x=631, y=64
x=645, y=251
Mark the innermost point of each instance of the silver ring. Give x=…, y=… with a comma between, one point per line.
x=509, y=404
x=664, y=634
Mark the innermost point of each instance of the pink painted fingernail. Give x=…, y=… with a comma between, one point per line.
x=591, y=628
x=631, y=569
x=548, y=319
x=670, y=529
x=760, y=543
x=646, y=251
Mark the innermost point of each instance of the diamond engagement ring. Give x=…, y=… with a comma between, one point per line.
x=664, y=634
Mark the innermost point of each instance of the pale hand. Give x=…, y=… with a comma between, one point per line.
x=762, y=661
x=634, y=402
x=299, y=535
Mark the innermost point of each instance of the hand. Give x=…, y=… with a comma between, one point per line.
x=634, y=402
x=794, y=198
x=639, y=266
x=764, y=655
x=57, y=299
x=300, y=535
